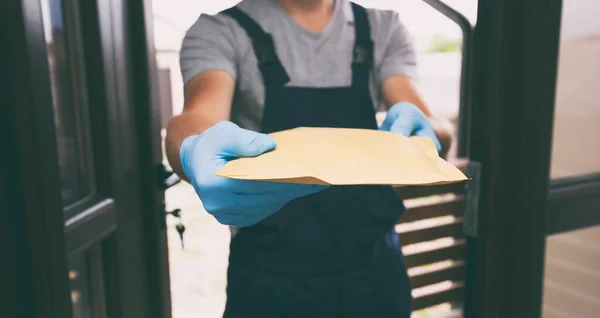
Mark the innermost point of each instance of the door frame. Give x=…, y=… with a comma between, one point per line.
x=34, y=212
x=144, y=86
x=515, y=62
x=573, y=203
x=35, y=236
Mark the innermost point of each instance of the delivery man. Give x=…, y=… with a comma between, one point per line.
x=301, y=251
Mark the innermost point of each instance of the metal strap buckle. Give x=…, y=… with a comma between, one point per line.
x=362, y=54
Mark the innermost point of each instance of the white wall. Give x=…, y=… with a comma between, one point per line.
x=580, y=18
x=170, y=60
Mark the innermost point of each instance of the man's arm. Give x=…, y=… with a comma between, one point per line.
x=398, y=66
x=208, y=98
x=208, y=59
x=397, y=89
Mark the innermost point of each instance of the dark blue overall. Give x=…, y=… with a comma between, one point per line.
x=332, y=254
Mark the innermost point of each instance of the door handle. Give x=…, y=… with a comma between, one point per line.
x=166, y=177
x=179, y=227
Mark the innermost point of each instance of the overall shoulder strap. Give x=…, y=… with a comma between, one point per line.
x=363, y=51
x=264, y=48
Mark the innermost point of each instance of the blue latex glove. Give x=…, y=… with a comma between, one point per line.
x=234, y=202
x=408, y=120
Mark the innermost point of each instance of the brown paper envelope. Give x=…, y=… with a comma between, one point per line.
x=339, y=156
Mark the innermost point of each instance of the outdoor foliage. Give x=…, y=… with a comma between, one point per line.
x=442, y=44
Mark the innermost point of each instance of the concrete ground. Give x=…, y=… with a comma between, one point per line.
x=198, y=272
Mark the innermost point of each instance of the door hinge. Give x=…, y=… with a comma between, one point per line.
x=471, y=218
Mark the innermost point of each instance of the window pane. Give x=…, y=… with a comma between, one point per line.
x=577, y=116
x=80, y=287
x=67, y=96
x=571, y=274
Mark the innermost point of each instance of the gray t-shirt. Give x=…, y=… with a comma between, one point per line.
x=323, y=59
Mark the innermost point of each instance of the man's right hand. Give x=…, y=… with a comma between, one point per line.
x=234, y=202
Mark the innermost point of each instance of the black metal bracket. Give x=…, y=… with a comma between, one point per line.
x=363, y=54
x=471, y=217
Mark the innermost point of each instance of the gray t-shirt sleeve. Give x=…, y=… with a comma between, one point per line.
x=399, y=55
x=209, y=44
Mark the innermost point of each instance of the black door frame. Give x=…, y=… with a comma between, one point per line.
x=144, y=85
x=515, y=63
x=34, y=212
x=573, y=203
x=36, y=240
